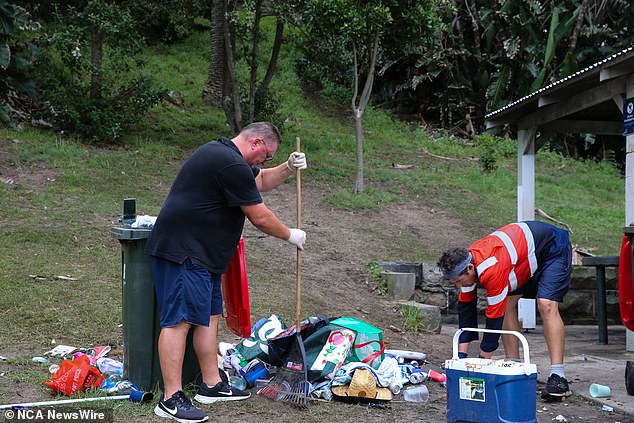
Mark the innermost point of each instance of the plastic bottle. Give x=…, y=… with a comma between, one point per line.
x=418, y=394
x=238, y=382
x=407, y=355
x=108, y=366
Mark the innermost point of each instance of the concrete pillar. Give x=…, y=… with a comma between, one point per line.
x=400, y=286
x=526, y=174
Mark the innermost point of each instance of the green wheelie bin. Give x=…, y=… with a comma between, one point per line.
x=141, y=323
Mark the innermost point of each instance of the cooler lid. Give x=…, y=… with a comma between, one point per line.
x=489, y=366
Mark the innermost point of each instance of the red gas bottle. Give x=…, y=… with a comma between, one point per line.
x=626, y=285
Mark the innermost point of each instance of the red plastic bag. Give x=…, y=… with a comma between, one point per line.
x=235, y=292
x=75, y=376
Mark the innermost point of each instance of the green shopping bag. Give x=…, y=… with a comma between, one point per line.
x=326, y=351
x=368, y=344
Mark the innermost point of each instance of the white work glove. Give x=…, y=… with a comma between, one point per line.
x=297, y=161
x=297, y=238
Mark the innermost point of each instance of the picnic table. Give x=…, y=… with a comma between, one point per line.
x=600, y=263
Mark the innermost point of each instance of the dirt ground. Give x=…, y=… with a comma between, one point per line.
x=335, y=277
x=336, y=282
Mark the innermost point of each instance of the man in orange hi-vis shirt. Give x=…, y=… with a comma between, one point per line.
x=526, y=259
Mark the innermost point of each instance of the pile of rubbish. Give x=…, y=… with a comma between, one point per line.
x=346, y=360
x=83, y=369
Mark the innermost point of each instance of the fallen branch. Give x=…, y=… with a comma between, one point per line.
x=543, y=214
x=395, y=329
x=449, y=158
x=52, y=278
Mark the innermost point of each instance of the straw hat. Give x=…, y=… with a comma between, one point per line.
x=363, y=385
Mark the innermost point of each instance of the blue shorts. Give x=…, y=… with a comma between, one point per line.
x=185, y=291
x=552, y=279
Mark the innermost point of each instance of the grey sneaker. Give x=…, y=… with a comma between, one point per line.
x=180, y=408
x=222, y=391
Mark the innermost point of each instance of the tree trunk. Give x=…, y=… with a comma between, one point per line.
x=578, y=26
x=364, y=99
x=475, y=24
x=277, y=45
x=255, y=53
x=96, y=78
x=358, y=120
x=231, y=100
x=212, y=91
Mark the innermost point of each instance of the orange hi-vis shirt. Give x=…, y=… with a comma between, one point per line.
x=505, y=260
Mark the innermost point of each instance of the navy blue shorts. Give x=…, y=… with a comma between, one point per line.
x=552, y=279
x=185, y=291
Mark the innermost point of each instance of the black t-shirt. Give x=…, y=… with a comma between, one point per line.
x=201, y=217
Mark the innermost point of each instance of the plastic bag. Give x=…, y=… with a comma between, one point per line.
x=257, y=345
x=108, y=366
x=75, y=376
x=368, y=343
x=280, y=345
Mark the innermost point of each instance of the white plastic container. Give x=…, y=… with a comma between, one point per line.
x=418, y=394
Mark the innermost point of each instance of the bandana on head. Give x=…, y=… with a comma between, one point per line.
x=458, y=269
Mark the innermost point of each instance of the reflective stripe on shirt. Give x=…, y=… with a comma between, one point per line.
x=486, y=264
x=530, y=244
x=496, y=299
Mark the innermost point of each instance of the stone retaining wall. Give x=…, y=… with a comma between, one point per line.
x=578, y=306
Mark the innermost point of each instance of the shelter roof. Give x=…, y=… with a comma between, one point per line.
x=590, y=95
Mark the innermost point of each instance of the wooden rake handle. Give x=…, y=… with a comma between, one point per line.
x=298, y=196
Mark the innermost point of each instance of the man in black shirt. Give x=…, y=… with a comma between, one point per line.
x=195, y=236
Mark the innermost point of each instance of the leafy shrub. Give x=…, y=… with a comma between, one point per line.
x=167, y=20
x=95, y=96
x=375, y=272
x=102, y=120
x=491, y=148
x=15, y=61
x=268, y=106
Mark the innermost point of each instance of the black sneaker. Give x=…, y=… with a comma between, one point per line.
x=180, y=408
x=557, y=386
x=222, y=391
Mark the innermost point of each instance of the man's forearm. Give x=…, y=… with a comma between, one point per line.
x=273, y=177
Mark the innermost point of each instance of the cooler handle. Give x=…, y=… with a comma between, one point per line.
x=505, y=332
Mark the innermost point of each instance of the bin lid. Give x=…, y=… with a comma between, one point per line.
x=123, y=233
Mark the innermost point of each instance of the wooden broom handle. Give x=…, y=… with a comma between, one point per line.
x=298, y=186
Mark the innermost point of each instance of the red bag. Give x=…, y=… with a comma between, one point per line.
x=75, y=376
x=235, y=292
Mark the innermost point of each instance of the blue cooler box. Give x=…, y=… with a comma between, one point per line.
x=482, y=390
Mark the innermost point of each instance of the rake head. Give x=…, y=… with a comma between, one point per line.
x=287, y=386
x=290, y=383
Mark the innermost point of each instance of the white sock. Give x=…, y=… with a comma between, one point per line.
x=557, y=369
